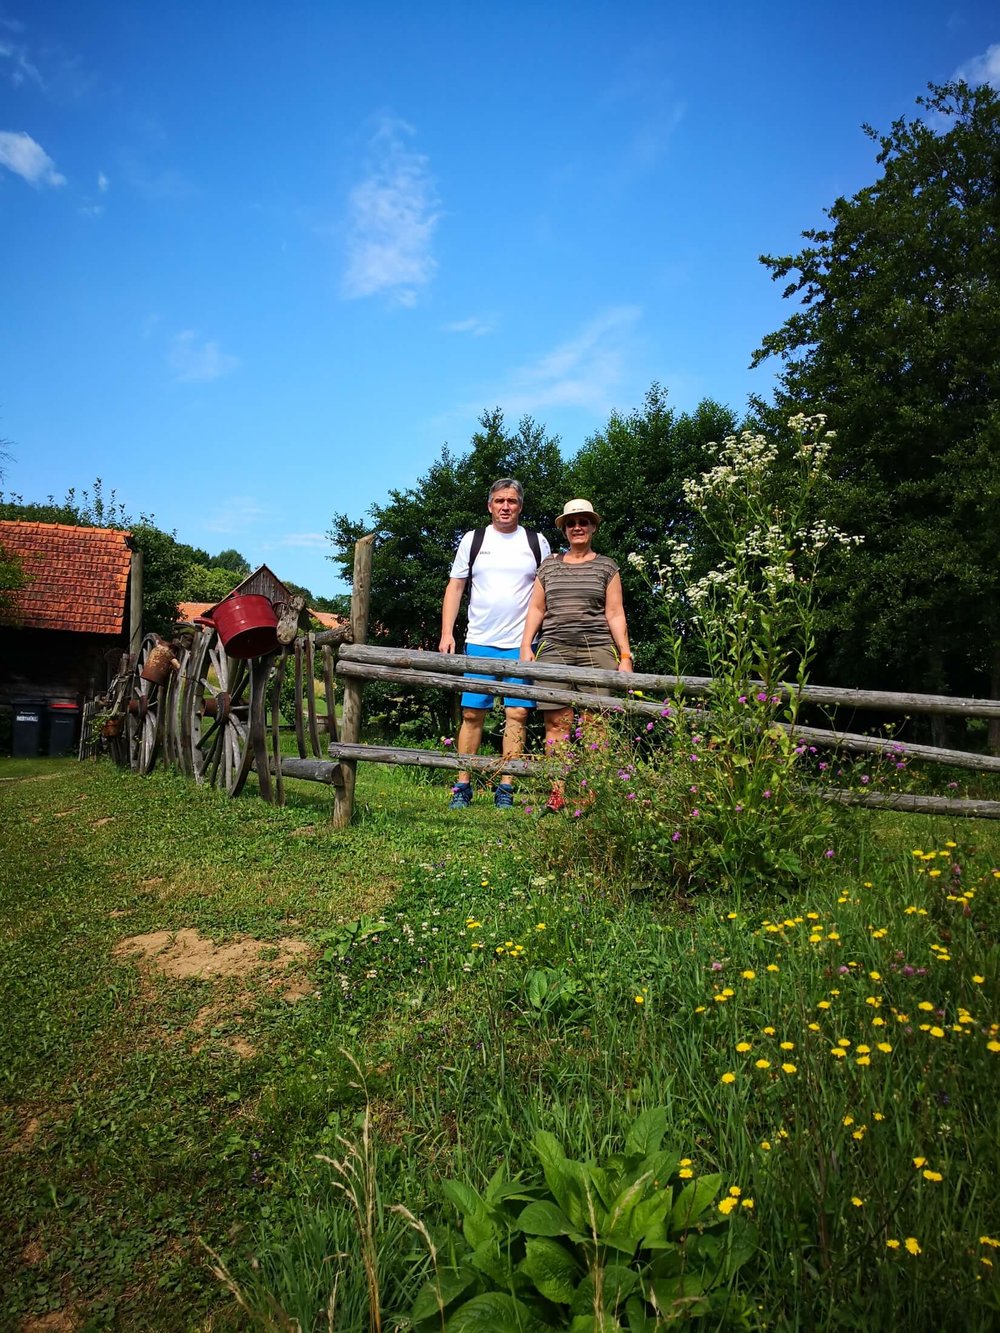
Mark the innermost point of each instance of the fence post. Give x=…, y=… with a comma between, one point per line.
x=350, y=730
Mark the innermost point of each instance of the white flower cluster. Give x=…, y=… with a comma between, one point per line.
x=739, y=458
x=823, y=534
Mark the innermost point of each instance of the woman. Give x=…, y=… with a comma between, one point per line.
x=577, y=604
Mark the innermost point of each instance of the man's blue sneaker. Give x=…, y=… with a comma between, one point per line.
x=503, y=796
x=461, y=796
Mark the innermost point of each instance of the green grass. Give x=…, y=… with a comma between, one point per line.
x=132, y=1129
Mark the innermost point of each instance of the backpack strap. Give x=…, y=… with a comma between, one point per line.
x=479, y=536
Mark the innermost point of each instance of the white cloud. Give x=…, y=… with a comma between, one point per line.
x=582, y=372
x=102, y=182
x=19, y=153
x=308, y=541
x=239, y=513
x=982, y=69
x=393, y=213
x=191, y=360
x=17, y=66
x=474, y=325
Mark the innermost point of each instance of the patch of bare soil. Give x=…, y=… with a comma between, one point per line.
x=41, y=777
x=99, y=823
x=186, y=953
x=57, y=1321
x=24, y=1140
x=32, y=1254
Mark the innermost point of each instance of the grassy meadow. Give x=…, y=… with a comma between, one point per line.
x=433, y=997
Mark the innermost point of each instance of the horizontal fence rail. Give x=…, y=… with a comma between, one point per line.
x=696, y=686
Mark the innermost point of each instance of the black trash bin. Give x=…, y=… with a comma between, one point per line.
x=26, y=731
x=64, y=715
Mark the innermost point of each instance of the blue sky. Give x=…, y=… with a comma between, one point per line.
x=261, y=261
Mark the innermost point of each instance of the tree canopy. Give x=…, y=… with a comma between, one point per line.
x=897, y=339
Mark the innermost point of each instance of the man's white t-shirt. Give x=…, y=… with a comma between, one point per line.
x=501, y=585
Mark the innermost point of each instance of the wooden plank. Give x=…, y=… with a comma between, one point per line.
x=308, y=670
x=390, y=754
x=343, y=798
x=331, y=693
x=277, y=677
x=697, y=686
x=300, y=735
x=910, y=803
x=309, y=770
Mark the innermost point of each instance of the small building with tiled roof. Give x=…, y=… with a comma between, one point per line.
x=70, y=622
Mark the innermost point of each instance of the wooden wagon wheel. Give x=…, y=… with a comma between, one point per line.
x=173, y=753
x=145, y=713
x=223, y=726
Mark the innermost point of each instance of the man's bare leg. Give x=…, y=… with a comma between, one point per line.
x=515, y=730
x=470, y=736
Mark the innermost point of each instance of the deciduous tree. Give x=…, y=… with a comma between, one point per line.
x=897, y=339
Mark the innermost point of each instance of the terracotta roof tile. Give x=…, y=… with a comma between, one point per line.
x=77, y=577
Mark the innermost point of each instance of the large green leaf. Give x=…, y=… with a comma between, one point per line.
x=544, y=1218
x=647, y=1133
x=477, y=1223
x=617, y=1284
x=677, y=1295
x=690, y=1204
x=450, y=1283
x=553, y=1270
x=489, y=1259
x=494, y=1312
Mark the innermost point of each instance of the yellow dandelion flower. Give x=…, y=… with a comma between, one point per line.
x=843, y=1041
x=977, y=979
x=892, y=1244
x=685, y=1161
x=765, y=1145
x=918, y=1162
x=926, y=1006
x=878, y=1116
x=860, y=1133
x=823, y=1004
x=875, y=976
x=848, y=1120
x=878, y=1022
x=936, y=1032
x=749, y=974
x=727, y=1206
x=728, y=1078
x=993, y=1046
x=639, y=999
x=762, y=1064
x=788, y=1045
x=913, y=1245
x=735, y=1191
x=541, y=926
x=789, y=1068
x=863, y=1050
x=773, y=967
x=858, y=1203
x=700, y=1009
x=746, y=1203
x=838, y=1052
x=933, y=1175
x=731, y=916
x=813, y=1027
x=988, y=1240
x=743, y=1046
x=768, y=1032
x=685, y=1173
x=885, y=1047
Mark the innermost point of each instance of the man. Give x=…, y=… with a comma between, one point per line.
x=501, y=562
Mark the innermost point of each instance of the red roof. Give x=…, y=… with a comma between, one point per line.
x=76, y=577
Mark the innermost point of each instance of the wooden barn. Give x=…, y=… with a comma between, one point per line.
x=70, y=625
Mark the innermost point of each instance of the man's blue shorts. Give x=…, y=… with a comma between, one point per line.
x=487, y=700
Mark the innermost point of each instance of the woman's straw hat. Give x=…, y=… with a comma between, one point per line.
x=577, y=507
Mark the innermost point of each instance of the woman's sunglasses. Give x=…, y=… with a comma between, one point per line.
x=578, y=521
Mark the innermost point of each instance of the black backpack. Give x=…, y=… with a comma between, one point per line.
x=479, y=535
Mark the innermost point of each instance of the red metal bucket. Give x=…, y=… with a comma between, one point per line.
x=247, y=625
